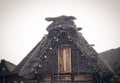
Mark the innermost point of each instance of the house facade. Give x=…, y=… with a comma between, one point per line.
x=63, y=56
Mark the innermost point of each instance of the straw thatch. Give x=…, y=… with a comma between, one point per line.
x=43, y=59
x=6, y=67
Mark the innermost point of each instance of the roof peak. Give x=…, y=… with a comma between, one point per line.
x=60, y=18
x=61, y=22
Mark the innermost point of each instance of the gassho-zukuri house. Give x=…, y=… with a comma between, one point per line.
x=64, y=56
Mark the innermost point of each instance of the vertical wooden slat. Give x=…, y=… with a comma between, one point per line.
x=68, y=59
x=60, y=60
x=64, y=59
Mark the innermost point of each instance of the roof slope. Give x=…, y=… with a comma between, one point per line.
x=6, y=67
x=112, y=57
x=61, y=32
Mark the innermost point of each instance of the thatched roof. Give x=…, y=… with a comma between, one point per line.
x=43, y=58
x=112, y=57
x=6, y=67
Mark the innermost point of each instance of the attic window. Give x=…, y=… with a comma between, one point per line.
x=64, y=59
x=3, y=69
x=14, y=81
x=21, y=82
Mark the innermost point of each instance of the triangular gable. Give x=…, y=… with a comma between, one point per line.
x=44, y=57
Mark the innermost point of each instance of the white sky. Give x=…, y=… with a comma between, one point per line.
x=22, y=23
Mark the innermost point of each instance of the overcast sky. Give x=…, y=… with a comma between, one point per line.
x=22, y=23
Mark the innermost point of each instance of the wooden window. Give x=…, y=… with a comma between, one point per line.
x=14, y=81
x=21, y=81
x=83, y=77
x=64, y=59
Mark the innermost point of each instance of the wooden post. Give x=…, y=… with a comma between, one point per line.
x=96, y=78
x=72, y=77
x=52, y=78
x=38, y=79
x=3, y=78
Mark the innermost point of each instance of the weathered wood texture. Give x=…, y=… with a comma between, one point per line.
x=64, y=59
